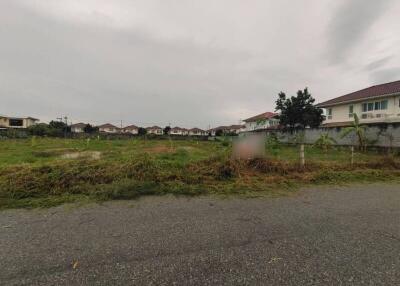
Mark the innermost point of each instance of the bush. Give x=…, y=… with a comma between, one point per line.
x=124, y=190
x=228, y=169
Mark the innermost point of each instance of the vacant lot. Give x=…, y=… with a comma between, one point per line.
x=47, y=172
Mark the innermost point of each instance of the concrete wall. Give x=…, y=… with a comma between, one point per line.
x=385, y=135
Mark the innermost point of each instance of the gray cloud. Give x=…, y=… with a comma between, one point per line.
x=386, y=75
x=350, y=24
x=146, y=62
x=378, y=63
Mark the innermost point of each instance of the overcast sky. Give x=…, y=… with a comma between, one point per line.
x=188, y=63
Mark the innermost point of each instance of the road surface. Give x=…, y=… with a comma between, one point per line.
x=328, y=236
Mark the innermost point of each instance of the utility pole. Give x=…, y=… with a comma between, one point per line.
x=66, y=126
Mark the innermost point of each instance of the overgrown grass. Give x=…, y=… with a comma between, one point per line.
x=34, y=174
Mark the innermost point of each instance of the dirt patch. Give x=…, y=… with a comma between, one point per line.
x=52, y=152
x=76, y=155
x=159, y=149
x=188, y=148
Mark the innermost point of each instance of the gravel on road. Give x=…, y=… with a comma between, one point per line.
x=321, y=236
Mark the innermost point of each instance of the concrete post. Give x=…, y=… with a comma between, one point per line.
x=352, y=155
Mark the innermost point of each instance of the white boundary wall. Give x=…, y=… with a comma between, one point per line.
x=378, y=135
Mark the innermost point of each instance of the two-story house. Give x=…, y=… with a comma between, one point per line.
x=236, y=128
x=263, y=121
x=131, y=129
x=375, y=104
x=197, y=132
x=178, y=131
x=17, y=122
x=108, y=128
x=78, y=127
x=157, y=130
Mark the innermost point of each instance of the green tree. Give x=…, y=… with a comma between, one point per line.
x=325, y=142
x=90, y=129
x=142, y=131
x=298, y=112
x=219, y=132
x=167, y=130
x=58, y=129
x=41, y=129
x=358, y=130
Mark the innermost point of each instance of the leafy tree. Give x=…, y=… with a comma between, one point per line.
x=167, y=130
x=58, y=128
x=298, y=111
x=57, y=125
x=219, y=132
x=90, y=129
x=41, y=129
x=142, y=131
x=358, y=130
x=272, y=144
x=325, y=142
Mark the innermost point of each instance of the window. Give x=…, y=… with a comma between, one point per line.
x=370, y=106
x=364, y=107
x=329, y=113
x=351, y=110
x=16, y=122
x=377, y=105
x=384, y=104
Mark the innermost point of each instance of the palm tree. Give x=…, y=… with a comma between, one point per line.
x=357, y=129
x=325, y=142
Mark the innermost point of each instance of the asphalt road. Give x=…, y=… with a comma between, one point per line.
x=333, y=236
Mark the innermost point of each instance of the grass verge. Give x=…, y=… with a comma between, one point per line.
x=58, y=182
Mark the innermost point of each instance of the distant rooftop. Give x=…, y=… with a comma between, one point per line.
x=262, y=116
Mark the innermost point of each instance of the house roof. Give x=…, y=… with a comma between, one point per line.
x=79, y=125
x=370, y=92
x=230, y=127
x=153, y=127
x=236, y=126
x=265, y=115
x=196, y=129
x=176, y=128
x=107, y=125
x=217, y=128
x=131, y=127
x=14, y=117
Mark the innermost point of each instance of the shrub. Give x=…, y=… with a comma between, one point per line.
x=228, y=169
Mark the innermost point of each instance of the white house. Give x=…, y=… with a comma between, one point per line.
x=131, y=129
x=263, y=121
x=17, y=122
x=236, y=128
x=197, y=132
x=178, y=131
x=78, y=128
x=375, y=104
x=108, y=128
x=154, y=130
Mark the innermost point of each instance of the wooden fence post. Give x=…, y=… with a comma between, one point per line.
x=302, y=159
